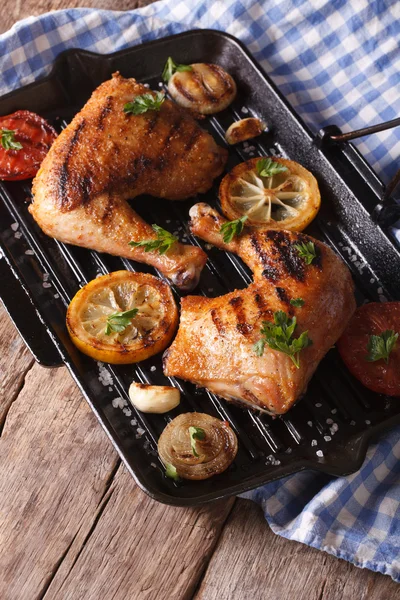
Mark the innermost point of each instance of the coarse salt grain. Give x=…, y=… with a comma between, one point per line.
x=99, y=275
x=45, y=276
x=18, y=235
x=153, y=368
x=46, y=284
x=313, y=442
x=352, y=423
x=327, y=438
x=368, y=422
x=271, y=460
x=319, y=453
x=329, y=421
x=56, y=296
x=334, y=411
x=310, y=423
x=160, y=84
x=334, y=428
x=318, y=405
x=146, y=85
x=14, y=226
x=244, y=110
x=119, y=402
x=133, y=422
x=127, y=412
x=153, y=465
x=208, y=246
x=29, y=252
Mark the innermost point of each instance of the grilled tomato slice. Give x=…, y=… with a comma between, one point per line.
x=197, y=446
x=122, y=317
x=272, y=192
x=375, y=362
x=25, y=139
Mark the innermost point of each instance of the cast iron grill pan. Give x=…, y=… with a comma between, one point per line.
x=329, y=429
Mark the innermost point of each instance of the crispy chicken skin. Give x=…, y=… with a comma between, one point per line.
x=214, y=344
x=104, y=157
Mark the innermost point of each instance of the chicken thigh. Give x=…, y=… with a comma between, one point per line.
x=104, y=157
x=214, y=347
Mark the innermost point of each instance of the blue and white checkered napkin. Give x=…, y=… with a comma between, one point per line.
x=337, y=62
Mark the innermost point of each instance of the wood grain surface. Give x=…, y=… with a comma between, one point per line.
x=74, y=526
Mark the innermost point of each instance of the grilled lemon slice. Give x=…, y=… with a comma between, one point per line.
x=122, y=317
x=289, y=199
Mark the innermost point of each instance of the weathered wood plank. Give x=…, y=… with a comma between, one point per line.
x=12, y=11
x=141, y=549
x=251, y=562
x=55, y=464
x=15, y=362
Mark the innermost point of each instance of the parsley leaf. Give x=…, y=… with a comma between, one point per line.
x=145, y=102
x=279, y=336
x=298, y=302
x=268, y=168
x=171, y=472
x=119, y=321
x=7, y=140
x=232, y=228
x=196, y=433
x=306, y=251
x=162, y=243
x=171, y=67
x=380, y=346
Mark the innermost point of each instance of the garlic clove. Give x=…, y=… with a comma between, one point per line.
x=243, y=130
x=157, y=399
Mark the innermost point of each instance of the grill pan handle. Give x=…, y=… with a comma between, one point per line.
x=387, y=210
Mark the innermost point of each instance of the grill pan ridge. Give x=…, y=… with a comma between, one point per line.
x=338, y=416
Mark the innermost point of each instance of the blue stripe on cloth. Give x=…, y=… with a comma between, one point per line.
x=337, y=62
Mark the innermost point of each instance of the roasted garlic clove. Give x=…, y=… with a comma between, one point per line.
x=157, y=399
x=204, y=89
x=243, y=130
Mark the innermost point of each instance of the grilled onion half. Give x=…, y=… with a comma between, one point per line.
x=216, y=450
x=205, y=88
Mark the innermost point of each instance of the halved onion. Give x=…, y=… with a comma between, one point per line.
x=216, y=451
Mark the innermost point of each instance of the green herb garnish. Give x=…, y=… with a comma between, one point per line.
x=7, y=140
x=196, y=433
x=306, y=251
x=232, y=228
x=171, y=67
x=145, y=102
x=380, y=346
x=171, y=472
x=279, y=336
x=162, y=243
x=119, y=321
x=268, y=168
x=298, y=302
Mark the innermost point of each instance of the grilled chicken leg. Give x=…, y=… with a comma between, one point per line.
x=104, y=157
x=214, y=347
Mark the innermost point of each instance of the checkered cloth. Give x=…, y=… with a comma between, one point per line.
x=337, y=62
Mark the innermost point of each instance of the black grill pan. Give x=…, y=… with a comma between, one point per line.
x=330, y=428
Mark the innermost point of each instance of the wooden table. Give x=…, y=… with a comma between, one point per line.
x=73, y=524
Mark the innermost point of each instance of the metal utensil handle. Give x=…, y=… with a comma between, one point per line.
x=352, y=135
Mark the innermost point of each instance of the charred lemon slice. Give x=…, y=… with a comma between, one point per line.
x=122, y=317
x=272, y=192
